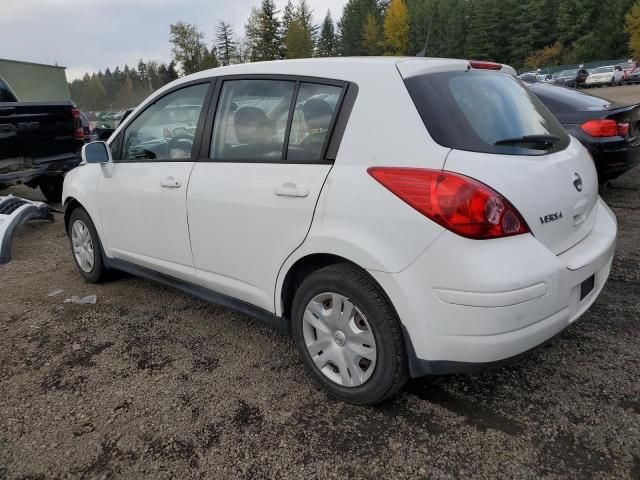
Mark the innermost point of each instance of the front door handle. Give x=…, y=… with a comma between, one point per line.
x=170, y=182
x=290, y=189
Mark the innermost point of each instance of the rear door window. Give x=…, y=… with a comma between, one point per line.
x=251, y=120
x=486, y=112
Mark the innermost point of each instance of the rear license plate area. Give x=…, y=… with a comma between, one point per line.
x=587, y=286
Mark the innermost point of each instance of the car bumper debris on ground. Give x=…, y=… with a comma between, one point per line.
x=13, y=212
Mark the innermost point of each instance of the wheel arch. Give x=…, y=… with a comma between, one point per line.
x=70, y=204
x=304, y=266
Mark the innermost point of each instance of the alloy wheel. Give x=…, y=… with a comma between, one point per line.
x=82, y=246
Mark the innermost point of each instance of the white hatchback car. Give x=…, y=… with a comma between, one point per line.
x=401, y=217
x=610, y=75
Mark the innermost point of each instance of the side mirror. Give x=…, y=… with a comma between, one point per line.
x=96, y=152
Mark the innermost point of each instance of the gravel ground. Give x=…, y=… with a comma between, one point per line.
x=624, y=94
x=151, y=383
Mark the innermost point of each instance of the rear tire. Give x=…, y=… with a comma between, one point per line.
x=86, y=249
x=51, y=188
x=372, y=336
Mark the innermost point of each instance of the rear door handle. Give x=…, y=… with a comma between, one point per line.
x=170, y=182
x=290, y=189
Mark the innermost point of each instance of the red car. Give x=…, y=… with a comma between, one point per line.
x=627, y=68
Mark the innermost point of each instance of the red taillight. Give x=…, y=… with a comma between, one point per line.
x=485, y=65
x=78, y=131
x=605, y=128
x=461, y=204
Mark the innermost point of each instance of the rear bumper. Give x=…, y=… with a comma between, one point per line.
x=613, y=162
x=613, y=158
x=592, y=83
x=494, y=300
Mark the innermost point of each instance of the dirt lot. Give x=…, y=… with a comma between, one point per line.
x=624, y=94
x=151, y=383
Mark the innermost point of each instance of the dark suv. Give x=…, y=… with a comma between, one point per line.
x=571, y=78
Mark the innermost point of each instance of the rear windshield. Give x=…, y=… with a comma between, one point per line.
x=603, y=70
x=486, y=112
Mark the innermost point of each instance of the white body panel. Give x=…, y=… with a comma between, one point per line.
x=244, y=224
x=484, y=301
x=538, y=186
x=144, y=216
x=458, y=299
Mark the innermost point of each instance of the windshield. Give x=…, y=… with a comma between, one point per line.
x=568, y=73
x=485, y=112
x=603, y=70
x=628, y=65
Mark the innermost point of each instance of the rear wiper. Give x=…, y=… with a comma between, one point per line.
x=539, y=140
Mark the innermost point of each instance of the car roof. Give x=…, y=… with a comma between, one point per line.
x=330, y=67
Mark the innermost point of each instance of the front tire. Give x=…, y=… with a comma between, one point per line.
x=349, y=335
x=85, y=246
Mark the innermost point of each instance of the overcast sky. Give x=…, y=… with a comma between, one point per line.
x=90, y=35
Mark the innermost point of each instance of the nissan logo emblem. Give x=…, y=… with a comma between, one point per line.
x=577, y=182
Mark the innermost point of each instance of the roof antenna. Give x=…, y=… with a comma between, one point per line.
x=423, y=52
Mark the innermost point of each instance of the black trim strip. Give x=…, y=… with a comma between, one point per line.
x=419, y=367
x=342, y=120
x=279, y=323
x=287, y=129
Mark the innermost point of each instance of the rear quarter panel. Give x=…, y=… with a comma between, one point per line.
x=356, y=217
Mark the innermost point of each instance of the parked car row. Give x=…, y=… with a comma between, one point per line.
x=355, y=204
x=609, y=75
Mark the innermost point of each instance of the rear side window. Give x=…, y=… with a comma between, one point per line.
x=485, y=112
x=315, y=108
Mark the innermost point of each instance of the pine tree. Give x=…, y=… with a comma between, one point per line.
x=287, y=15
x=352, y=24
x=298, y=41
x=225, y=44
x=372, y=37
x=263, y=32
x=299, y=34
x=327, y=42
x=396, y=28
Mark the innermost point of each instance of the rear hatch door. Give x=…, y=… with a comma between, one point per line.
x=556, y=194
x=501, y=134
